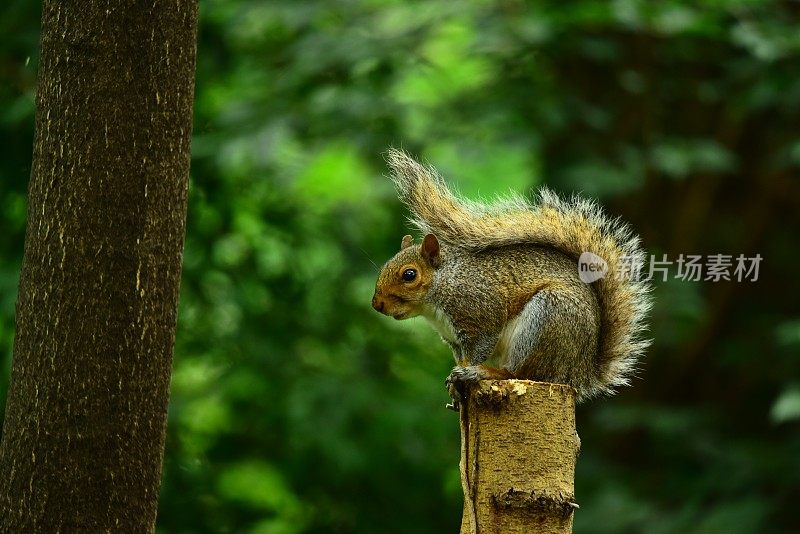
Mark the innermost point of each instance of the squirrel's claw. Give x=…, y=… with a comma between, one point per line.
x=453, y=388
x=457, y=382
x=455, y=397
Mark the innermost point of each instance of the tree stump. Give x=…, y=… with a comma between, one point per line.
x=518, y=453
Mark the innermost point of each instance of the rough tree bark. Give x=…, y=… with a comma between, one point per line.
x=519, y=448
x=83, y=434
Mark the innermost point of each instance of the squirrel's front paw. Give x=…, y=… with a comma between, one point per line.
x=457, y=382
x=465, y=375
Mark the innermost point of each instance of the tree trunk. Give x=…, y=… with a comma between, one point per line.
x=83, y=435
x=519, y=449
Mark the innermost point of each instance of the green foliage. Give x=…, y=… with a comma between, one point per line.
x=296, y=408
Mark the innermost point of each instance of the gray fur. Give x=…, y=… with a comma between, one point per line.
x=589, y=336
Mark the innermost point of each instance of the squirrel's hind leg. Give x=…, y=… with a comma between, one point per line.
x=551, y=337
x=521, y=337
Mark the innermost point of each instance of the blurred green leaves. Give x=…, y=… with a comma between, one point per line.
x=486, y=170
x=679, y=158
x=787, y=405
x=336, y=175
x=261, y=487
x=447, y=66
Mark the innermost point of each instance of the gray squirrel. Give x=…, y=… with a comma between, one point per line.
x=501, y=282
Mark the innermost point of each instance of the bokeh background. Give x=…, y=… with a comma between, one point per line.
x=296, y=408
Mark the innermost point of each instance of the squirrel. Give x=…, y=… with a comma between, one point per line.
x=501, y=282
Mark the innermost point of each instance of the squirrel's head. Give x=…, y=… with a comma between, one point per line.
x=405, y=279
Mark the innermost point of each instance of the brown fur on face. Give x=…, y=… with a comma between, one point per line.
x=401, y=298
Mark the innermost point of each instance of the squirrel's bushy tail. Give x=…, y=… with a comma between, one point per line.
x=572, y=226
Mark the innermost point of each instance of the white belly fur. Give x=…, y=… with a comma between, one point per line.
x=441, y=323
x=506, y=341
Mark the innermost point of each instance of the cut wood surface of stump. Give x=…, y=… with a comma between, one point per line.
x=519, y=449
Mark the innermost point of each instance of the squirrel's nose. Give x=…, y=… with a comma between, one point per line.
x=377, y=303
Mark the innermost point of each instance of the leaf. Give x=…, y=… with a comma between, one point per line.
x=787, y=406
x=257, y=484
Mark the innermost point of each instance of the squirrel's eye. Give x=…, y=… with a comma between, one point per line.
x=409, y=275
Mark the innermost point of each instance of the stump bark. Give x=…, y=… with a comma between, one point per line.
x=518, y=454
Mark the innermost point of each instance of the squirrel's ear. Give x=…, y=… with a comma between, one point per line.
x=430, y=250
x=406, y=242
